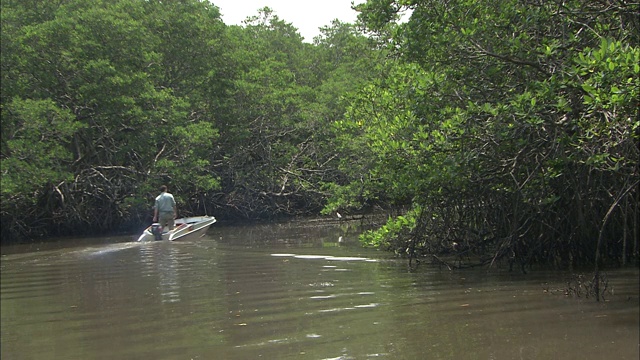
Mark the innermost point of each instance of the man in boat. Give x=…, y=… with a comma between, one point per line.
x=165, y=211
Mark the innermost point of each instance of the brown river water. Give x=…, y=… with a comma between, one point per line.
x=298, y=290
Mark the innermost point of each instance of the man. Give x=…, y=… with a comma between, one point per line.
x=165, y=211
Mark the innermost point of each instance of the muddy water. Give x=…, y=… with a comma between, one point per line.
x=293, y=291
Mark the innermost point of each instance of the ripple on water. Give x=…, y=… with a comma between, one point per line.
x=210, y=299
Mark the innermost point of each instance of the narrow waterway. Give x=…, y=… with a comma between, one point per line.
x=293, y=291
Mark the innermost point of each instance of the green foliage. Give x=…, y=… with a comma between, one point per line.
x=276, y=135
x=608, y=76
x=495, y=121
x=393, y=235
x=234, y=119
x=191, y=146
x=34, y=136
x=509, y=128
x=123, y=86
x=405, y=154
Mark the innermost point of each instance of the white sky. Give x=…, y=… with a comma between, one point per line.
x=306, y=15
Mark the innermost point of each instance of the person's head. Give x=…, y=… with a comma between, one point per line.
x=163, y=188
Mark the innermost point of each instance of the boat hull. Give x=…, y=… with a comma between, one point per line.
x=185, y=228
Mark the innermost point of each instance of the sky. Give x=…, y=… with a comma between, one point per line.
x=306, y=15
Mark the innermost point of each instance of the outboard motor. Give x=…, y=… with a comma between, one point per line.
x=156, y=230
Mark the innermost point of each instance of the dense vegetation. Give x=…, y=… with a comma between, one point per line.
x=511, y=125
x=103, y=101
x=507, y=129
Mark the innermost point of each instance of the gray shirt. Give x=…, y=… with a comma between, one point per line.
x=165, y=202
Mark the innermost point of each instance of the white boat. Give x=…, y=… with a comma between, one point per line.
x=185, y=228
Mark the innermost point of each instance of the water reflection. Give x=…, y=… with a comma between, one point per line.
x=161, y=260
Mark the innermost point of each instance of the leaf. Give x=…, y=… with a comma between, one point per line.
x=588, y=88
